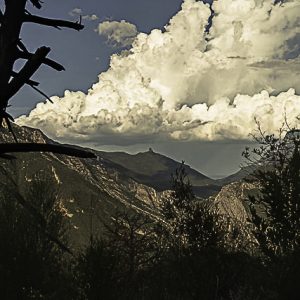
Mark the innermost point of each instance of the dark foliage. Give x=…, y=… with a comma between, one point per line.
x=200, y=254
x=189, y=222
x=125, y=255
x=276, y=209
x=32, y=264
x=183, y=257
x=186, y=255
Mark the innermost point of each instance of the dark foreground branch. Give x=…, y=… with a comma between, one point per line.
x=53, y=22
x=49, y=62
x=29, y=82
x=36, y=3
x=27, y=71
x=42, y=93
x=34, y=147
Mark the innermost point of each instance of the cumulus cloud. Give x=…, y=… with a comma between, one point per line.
x=184, y=83
x=118, y=34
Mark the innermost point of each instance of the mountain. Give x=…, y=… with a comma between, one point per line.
x=92, y=190
x=244, y=172
x=154, y=170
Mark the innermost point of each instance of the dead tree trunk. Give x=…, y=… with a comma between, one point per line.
x=13, y=17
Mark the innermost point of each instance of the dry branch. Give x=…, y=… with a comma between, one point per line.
x=42, y=93
x=29, y=82
x=36, y=3
x=49, y=62
x=27, y=71
x=34, y=147
x=53, y=22
x=12, y=18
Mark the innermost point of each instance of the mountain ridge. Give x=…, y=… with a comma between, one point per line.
x=153, y=169
x=88, y=188
x=94, y=188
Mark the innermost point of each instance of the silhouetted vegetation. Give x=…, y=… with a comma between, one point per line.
x=118, y=265
x=278, y=176
x=188, y=250
x=33, y=261
x=276, y=209
x=184, y=255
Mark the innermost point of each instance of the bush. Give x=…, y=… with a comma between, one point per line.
x=33, y=243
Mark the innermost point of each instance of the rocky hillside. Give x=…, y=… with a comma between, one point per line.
x=232, y=200
x=92, y=190
x=89, y=188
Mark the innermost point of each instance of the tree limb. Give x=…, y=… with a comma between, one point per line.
x=22, y=46
x=49, y=62
x=53, y=64
x=35, y=147
x=42, y=93
x=36, y=3
x=27, y=71
x=53, y=22
x=29, y=82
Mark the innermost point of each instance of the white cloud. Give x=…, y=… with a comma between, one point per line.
x=118, y=34
x=90, y=17
x=75, y=12
x=182, y=84
x=78, y=12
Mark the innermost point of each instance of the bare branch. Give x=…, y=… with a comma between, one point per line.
x=22, y=46
x=42, y=93
x=53, y=64
x=36, y=3
x=29, y=82
x=12, y=49
x=34, y=147
x=53, y=22
x=27, y=71
x=49, y=62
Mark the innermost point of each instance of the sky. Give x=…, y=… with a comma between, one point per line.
x=155, y=74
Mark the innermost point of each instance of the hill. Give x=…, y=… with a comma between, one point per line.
x=88, y=188
x=92, y=190
x=154, y=169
